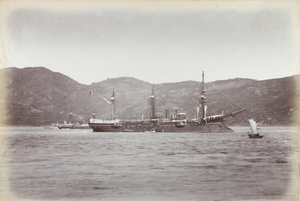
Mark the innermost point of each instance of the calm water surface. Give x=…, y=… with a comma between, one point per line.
x=53, y=164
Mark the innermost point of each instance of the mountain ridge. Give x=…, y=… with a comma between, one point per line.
x=38, y=96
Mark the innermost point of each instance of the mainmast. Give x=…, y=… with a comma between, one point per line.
x=152, y=104
x=203, y=98
x=113, y=106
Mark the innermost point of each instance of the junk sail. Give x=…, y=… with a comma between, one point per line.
x=253, y=126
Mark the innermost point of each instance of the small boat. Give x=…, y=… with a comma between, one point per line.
x=253, y=127
x=65, y=125
x=73, y=126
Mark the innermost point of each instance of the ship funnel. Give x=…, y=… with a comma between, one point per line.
x=167, y=114
x=71, y=117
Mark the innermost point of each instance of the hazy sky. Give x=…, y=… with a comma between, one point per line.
x=158, y=45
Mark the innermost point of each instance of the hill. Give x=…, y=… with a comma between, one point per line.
x=38, y=96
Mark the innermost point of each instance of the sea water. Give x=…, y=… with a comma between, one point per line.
x=53, y=164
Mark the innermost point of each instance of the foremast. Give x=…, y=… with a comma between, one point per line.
x=113, y=105
x=152, y=104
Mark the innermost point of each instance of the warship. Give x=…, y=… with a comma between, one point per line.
x=177, y=122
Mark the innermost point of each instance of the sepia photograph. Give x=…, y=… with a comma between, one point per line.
x=149, y=100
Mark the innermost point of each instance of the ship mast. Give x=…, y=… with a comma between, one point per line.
x=203, y=97
x=152, y=104
x=113, y=106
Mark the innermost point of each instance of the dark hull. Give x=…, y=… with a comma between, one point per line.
x=64, y=127
x=255, y=136
x=197, y=128
x=73, y=127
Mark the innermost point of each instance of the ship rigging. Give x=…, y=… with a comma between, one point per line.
x=177, y=123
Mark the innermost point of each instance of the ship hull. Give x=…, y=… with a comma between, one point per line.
x=73, y=126
x=196, y=128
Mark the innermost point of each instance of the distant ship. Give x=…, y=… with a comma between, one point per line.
x=176, y=123
x=74, y=126
x=70, y=125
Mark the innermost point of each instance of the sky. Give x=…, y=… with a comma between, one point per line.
x=154, y=42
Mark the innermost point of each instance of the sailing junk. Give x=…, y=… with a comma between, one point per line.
x=253, y=127
x=177, y=123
